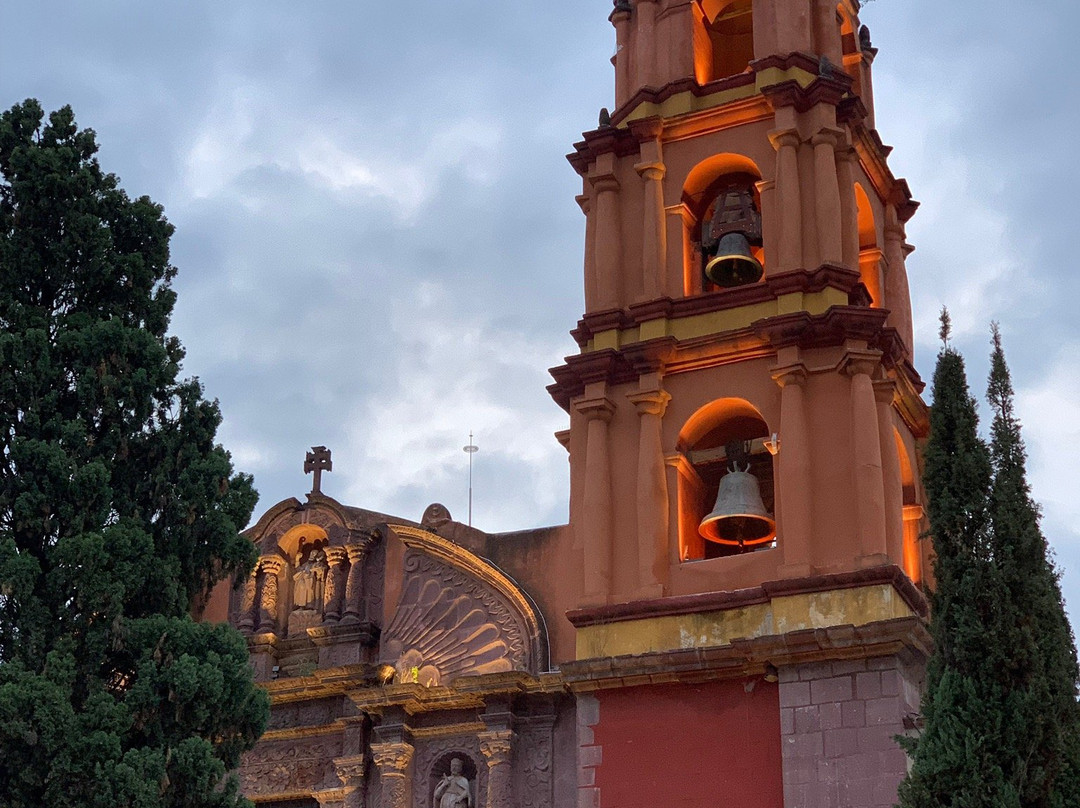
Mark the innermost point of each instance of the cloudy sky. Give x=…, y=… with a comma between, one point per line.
x=379, y=249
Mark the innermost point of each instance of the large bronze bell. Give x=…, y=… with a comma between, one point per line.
x=734, y=264
x=726, y=239
x=739, y=517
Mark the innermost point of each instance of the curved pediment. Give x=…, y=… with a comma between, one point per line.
x=458, y=615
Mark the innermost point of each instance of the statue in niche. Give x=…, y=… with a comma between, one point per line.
x=308, y=588
x=309, y=581
x=454, y=789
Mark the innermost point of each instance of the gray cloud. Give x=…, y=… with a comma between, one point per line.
x=379, y=248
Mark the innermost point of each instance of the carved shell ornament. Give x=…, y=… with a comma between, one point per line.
x=441, y=631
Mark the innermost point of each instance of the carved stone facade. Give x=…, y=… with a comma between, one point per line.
x=380, y=643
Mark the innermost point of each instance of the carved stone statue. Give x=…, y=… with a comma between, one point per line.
x=309, y=581
x=454, y=789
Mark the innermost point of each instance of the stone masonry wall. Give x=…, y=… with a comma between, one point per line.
x=838, y=721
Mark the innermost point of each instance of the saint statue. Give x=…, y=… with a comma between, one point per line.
x=309, y=582
x=453, y=790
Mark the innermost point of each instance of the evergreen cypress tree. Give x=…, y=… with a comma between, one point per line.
x=1002, y=726
x=956, y=757
x=117, y=509
x=1038, y=666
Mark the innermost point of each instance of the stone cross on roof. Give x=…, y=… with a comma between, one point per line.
x=317, y=461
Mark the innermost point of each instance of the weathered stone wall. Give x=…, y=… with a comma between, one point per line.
x=838, y=722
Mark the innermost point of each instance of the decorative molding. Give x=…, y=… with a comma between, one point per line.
x=495, y=582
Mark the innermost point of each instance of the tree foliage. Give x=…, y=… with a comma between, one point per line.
x=1001, y=722
x=118, y=511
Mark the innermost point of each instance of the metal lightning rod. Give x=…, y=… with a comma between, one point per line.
x=470, y=450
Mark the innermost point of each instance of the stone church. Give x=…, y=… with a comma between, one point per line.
x=733, y=614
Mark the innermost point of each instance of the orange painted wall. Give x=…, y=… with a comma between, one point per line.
x=690, y=745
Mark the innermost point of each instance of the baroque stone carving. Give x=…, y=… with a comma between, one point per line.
x=287, y=767
x=449, y=624
x=535, y=753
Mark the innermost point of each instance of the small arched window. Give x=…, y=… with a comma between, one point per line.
x=723, y=38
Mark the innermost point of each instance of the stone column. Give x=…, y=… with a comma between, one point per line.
x=645, y=44
x=654, y=231
x=271, y=567
x=354, y=585
x=884, y=392
x=827, y=197
x=350, y=770
x=248, y=616
x=846, y=160
x=795, y=529
x=620, y=18
x=497, y=748
x=866, y=442
x=393, y=760
x=334, y=589
x=789, y=204
x=913, y=566
x=596, y=522
x=652, y=493
x=896, y=281
x=770, y=222
x=608, y=257
x=591, y=295
x=870, y=272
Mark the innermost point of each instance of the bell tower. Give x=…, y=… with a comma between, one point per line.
x=744, y=413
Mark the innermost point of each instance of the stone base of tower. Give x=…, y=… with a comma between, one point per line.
x=807, y=718
x=838, y=726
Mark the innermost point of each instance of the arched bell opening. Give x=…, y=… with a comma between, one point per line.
x=870, y=253
x=913, y=514
x=722, y=238
x=723, y=38
x=726, y=489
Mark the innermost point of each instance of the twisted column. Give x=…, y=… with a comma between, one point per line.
x=868, y=477
x=795, y=490
x=596, y=509
x=354, y=585
x=789, y=203
x=271, y=567
x=652, y=492
x=334, y=588
x=249, y=616
x=392, y=760
x=497, y=748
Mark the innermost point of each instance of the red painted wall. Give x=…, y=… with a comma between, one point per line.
x=690, y=745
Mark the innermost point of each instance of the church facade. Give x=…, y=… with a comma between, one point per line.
x=733, y=614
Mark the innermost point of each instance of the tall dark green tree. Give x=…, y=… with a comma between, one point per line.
x=1038, y=667
x=118, y=510
x=955, y=761
x=1000, y=712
